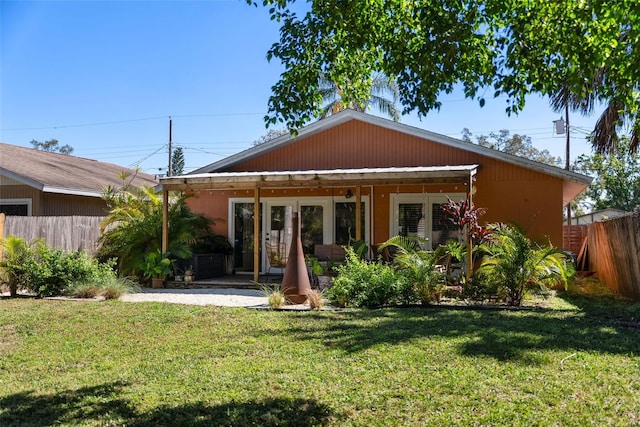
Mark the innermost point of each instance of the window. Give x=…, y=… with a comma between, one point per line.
x=422, y=216
x=16, y=207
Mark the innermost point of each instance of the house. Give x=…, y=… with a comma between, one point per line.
x=40, y=183
x=358, y=176
x=594, y=216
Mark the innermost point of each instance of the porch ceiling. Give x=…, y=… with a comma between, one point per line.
x=321, y=178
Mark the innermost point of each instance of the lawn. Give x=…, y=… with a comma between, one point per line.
x=138, y=364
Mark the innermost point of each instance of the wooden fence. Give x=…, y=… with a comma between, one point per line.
x=70, y=233
x=614, y=253
x=573, y=237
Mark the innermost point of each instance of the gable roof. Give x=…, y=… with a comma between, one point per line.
x=574, y=182
x=347, y=115
x=62, y=173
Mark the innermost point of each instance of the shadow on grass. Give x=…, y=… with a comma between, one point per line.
x=503, y=334
x=70, y=407
x=267, y=413
x=102, y=405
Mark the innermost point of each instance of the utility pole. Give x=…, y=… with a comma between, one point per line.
x=169, y=171
x=567, y=161
x=563, y=126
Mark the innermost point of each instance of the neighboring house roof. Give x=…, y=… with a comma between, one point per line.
x=574, y=182
x=598, y=215
x=61, y=173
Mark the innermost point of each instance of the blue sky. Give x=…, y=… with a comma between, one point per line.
x=104, y=77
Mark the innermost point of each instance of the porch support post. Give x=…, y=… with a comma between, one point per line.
x=358, y=213
x=257, y=234
x=469, y=242
x=165, y=219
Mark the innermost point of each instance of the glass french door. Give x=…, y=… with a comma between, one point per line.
x=243, y=236
x=345, y=222
x=314, y=223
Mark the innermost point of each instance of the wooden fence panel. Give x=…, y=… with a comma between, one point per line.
x=70, y=233
x=614, y=253
x=573, y=236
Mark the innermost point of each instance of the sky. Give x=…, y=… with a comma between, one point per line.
x=105, y=76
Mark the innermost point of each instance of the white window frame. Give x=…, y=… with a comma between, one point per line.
x=28, y=202
x=427, y=200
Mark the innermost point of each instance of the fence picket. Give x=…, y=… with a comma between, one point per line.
x=70, y=233
x=614, y=253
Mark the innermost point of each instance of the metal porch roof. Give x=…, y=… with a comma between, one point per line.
x=319, y=178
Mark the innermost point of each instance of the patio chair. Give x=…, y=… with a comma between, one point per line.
x=277, y=255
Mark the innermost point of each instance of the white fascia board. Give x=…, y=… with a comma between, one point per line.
x=71, y=191
x=22, y=179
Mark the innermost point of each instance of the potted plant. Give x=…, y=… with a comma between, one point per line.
x=156, y=266
x=188, y=275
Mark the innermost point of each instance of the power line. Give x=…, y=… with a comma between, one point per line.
x=114, y=122
x=85, y=124
x=134, y=164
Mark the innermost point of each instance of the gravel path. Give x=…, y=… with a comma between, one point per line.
x=219, y=297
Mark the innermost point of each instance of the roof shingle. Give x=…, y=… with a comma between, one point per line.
x=61, y=173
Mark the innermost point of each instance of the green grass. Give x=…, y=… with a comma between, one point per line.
x=113, y=363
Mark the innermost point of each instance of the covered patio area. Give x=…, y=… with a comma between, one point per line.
x=379, y=186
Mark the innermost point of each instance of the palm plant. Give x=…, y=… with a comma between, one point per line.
x=133, y=227
x=428, y=281
x=13, y=266
x=383, y=96
x=518, y=265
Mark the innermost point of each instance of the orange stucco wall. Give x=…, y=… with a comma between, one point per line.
x=510, y=193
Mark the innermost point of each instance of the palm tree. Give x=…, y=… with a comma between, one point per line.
x=383, y=96
x=133, y=227
x=519, y=265
x=604, y=136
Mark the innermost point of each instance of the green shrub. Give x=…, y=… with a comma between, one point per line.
x=479, y=289
x=49, y=272
x=52, y=270
x=362, y=283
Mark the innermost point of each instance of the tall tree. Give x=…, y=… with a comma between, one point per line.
x=383, y=96
x=52, y=146
x=510, y=48
x=271, y=134
x=616, y=178
x=518, y=145
x=177, y=161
